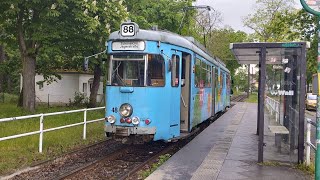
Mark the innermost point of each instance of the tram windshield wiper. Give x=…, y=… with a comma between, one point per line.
x=120, y=80
x=115, y=75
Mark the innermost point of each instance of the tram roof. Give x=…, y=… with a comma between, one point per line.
x=171, y=38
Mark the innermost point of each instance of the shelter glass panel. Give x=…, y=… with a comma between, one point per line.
x=283, y=76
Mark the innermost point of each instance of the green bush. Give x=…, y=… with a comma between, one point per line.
x=80, y=99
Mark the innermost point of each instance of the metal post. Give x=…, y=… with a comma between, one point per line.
x=258, y=121
x=308, y=143
x=302, y=107
x=248, y=90
x=262, y=84
x=252, y=81
x=41, y=134
x=317, y=163
x=85, y=124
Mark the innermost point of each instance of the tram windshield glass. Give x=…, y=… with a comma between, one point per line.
x=129, y=70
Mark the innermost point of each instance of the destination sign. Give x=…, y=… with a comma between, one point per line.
x=128, y=46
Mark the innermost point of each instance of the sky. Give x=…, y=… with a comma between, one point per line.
x=233, y=11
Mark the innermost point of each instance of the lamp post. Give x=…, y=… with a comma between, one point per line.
x=185, y=9
x=313, y=7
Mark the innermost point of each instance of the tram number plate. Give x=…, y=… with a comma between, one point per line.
x=127, y=30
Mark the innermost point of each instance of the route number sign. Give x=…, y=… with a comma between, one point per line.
x=128, y=30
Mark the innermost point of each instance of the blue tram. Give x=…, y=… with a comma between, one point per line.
x=161, y=85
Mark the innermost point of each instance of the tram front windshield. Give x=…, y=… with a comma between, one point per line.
x=129, y=70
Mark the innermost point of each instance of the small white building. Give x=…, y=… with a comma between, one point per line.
x=63, y=91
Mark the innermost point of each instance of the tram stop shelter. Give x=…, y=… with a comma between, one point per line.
x=281, y=97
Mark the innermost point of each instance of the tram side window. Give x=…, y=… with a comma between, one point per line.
x=197, y=73
x=207, y=75
x=155, y=70
x=175, y=71
x=183, y=72
x=202, y=74
x=228, y=83
x=217, y=78
x=210, y=76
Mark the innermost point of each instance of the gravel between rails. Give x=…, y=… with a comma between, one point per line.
x=69, y=162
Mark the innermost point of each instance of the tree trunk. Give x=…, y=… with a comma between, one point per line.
x=28, y=53
x=95, y=86
x=28, y=73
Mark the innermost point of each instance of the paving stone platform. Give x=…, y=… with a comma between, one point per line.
x=227, y=149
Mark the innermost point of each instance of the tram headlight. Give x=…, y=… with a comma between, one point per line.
x=126, y=110
x=111, y=119
x=135, y=120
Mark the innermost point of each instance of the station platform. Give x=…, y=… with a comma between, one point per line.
x=227, y=149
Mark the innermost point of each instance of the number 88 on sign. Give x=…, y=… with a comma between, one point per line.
x=128, y=29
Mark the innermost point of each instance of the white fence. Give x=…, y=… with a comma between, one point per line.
x=308, y=141
x=273, y=106
x=41, y=130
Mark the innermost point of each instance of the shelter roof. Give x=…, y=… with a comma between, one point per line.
x=248, y=53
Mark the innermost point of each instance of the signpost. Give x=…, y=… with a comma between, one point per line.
x=313, y=7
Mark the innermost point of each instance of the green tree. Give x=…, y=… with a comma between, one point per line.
x=166, y=14
x=263, y=20
x=48, y=33
x=240, y=80
x=98, y=20
x=32, y=23
x=219, y=42
x=303, y=27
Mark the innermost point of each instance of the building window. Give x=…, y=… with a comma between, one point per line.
x=84, y=88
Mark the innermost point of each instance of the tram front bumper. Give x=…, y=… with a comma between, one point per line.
x=127, y=131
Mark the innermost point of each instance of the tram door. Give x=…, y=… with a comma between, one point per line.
x=213, y=79
x=185, y=92
x=175, y=66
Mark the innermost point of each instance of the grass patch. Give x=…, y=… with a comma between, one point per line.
x=8, y=98
x=307, y=169
x=253, y=98
x=21, y=152
x=162, y=159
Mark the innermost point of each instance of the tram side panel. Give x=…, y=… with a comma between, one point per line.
x=225, y=90
x=222, y=90
x=201, y=91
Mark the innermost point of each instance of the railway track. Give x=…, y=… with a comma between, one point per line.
x=110, y=160
x=239, y=98
x=120, y=164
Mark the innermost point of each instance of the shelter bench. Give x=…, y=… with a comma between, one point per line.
x=278, y=131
